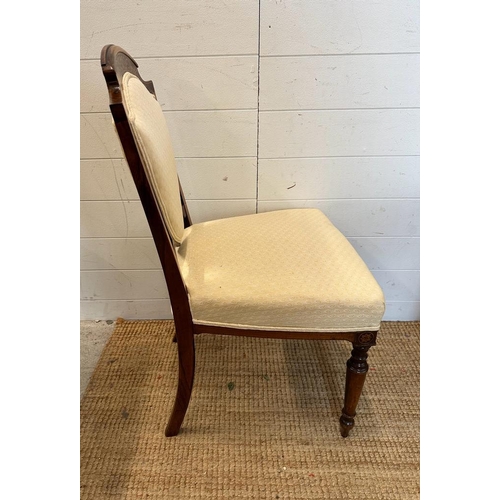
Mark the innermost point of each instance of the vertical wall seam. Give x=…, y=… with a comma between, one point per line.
x=258, y=116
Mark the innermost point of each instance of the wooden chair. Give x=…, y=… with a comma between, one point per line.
x=287, y=274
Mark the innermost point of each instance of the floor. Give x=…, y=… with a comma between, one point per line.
x=262, y=423
x=93, y=337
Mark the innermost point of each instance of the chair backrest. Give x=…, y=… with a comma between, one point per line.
x=155, y=149
x=145, y=140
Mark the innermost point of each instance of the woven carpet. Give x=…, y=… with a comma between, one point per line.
x=262, y=422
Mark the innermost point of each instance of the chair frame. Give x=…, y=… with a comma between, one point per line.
x=115, y=62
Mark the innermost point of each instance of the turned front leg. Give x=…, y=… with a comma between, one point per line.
x=357, y=367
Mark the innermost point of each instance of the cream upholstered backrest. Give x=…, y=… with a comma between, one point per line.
x=155, y=149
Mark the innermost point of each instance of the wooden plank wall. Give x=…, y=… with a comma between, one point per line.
x=316, y=106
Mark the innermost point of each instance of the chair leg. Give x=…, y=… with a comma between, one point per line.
x=357, y=367
x=185, y=347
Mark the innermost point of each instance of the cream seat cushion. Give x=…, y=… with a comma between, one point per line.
x=286, y=270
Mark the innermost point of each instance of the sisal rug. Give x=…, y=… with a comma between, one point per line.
x=262, y=422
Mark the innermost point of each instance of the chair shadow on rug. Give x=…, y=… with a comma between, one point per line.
x=316, y=376
x=287, y=274
x=313, y=374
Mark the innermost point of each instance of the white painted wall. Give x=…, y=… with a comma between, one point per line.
x=323, y=114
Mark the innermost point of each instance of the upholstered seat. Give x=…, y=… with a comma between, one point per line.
x=289, y=270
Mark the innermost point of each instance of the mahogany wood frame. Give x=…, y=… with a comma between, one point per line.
x=115, y=62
